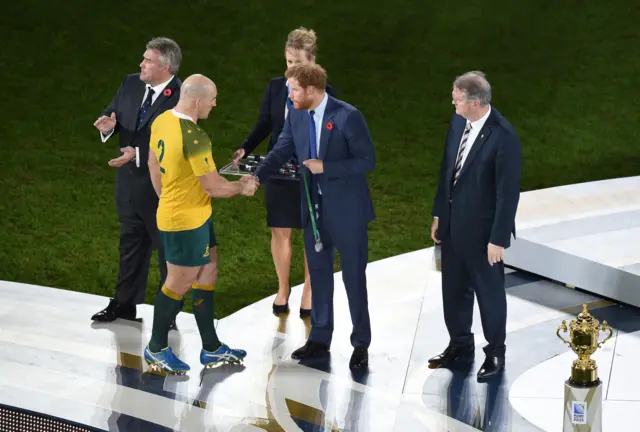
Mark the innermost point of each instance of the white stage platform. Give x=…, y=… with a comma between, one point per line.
x=584, y=235
x=54, y=361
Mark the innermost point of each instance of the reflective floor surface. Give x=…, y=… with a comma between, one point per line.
x=53, y=360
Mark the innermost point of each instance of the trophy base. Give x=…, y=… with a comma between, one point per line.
x=584, y=376
x=582, y=382
x=582, y=407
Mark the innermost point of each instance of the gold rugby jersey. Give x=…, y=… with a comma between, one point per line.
x=183, y=151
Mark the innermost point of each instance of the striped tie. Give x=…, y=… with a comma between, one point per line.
x=463, y=146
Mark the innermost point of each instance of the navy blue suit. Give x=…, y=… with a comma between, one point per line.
x=282, y=197
x=480, y=209
x=345, y=210
x=136, y=200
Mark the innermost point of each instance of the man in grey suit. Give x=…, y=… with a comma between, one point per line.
x=474, y=217
x=140, y=99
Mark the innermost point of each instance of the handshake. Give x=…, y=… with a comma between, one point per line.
x=249, y=185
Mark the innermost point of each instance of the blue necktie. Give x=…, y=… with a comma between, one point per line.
x=313, y=149
x=289, y=101
x=145, y=107
x=313, y=155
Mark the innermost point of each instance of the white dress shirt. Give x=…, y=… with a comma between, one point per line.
x=318, y=115
x=157, y=91
x=476, y=126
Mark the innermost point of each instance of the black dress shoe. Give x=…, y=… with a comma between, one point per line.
x=281, y=309
x=310, y=349
x=491, y=367
x=359, y=358
x=114, y=311
x=451, y=355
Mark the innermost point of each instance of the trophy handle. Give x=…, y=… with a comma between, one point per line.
x=563, y=327
x=605, y=327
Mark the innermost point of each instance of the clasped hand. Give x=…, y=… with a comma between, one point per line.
x=249, y=185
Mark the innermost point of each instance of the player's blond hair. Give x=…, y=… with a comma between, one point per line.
x=302, y=39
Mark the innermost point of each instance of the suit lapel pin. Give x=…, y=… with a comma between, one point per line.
x=481, y=136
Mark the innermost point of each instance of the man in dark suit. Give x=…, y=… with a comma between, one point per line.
x=140, y=99
x=282, y=197
x=332, y=140
x=474, y=217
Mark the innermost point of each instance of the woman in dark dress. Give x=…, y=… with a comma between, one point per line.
x=282, y=196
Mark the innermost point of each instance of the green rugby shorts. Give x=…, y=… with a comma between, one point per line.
x=189, y=248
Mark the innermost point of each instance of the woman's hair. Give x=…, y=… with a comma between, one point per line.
x=302, y=39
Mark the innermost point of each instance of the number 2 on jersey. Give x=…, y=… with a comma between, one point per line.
x=161, y=147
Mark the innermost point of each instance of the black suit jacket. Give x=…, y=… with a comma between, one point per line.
x=347, y=152
x=133, y=183
x=481, y=208
x=271, y=117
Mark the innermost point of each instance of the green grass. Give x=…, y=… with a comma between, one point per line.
x=562, y=73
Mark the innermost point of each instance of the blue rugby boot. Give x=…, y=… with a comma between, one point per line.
x=223, y=354
x=165, y=361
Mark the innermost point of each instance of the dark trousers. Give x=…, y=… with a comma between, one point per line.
x=465, y=271
x=139, y=235
x=352, y=245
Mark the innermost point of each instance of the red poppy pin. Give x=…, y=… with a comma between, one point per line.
x=329, y=126
x=167, y=92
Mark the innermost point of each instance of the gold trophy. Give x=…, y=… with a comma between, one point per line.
x=584, y=332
